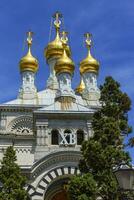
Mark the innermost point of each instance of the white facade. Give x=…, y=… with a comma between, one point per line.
x=47, y=133
x=29, y=127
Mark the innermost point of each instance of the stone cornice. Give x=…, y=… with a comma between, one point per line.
x=62, y=115
x=18, y=108
x=17, y=137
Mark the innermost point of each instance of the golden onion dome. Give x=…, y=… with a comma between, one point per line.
x=89, y=64
x=80, y=87
x=64, y=63
x=28, y=62
x=54, y=49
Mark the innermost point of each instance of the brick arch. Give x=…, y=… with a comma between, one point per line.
x=47, y=179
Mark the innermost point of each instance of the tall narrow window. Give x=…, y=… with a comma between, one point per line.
x=80, y=137
x=67, y=135
x=54, y=137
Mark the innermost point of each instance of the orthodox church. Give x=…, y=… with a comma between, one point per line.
x=48, y=127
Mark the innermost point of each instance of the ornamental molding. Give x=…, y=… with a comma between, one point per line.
x=18, y=108
x=18, y=150
x=22, y=125
x=23, y=150
x=54, y=159
x=68, y=115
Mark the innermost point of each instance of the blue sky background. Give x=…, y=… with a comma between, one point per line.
x=110, y=22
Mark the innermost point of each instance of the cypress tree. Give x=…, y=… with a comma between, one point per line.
x=12, y=180
x=105, y=150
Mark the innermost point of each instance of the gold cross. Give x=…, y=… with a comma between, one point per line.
x=29, y=37
x=88, y=38
x=57, y=16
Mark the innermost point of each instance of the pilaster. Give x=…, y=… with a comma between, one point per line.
x=41, y=138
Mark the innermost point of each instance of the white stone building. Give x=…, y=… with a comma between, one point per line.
x=48, y=127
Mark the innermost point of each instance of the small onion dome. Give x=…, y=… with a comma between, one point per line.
x=55, y=48
x=28, y=62
x=80, y=87
x=89, y=64
x=64, y=64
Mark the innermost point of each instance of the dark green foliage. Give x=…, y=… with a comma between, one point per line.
x=84, y=188
x=131, y=142
x=105, y=150
x=12, y=179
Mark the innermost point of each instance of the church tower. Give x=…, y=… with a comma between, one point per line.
x=28, y=68
x=89, y=68
x=48, y=127
x=53, y=51
x=64, y=68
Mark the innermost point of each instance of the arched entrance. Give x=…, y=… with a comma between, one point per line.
x=60, y=196
x=57, y=190
x=49, y=175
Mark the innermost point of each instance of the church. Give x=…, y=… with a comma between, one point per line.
x=48, y=127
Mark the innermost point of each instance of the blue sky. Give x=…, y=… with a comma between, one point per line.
x=110, y=22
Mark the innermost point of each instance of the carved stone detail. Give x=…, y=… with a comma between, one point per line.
x=22, y=125
x=91, y=91
x=28, y=89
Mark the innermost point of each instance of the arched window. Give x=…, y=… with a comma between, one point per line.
x=80, y=137
x=54, y=137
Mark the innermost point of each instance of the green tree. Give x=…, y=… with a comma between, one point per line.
x=11, y=178
x=105, y=150
x=84, y=187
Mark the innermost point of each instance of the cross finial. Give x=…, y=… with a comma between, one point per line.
x=29, y=38
x=64, y=37
x=88, y=39
x=57, y=16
